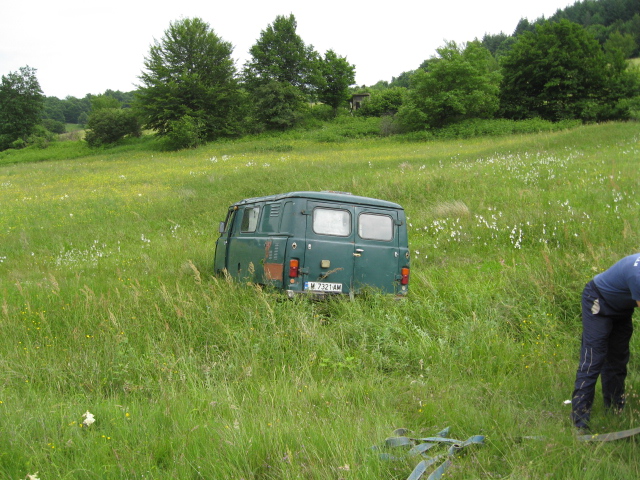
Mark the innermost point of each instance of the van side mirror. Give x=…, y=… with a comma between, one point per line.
x=221, y=227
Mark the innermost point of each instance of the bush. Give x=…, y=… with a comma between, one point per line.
x=389, y=125
x=41, y=137
x=349, y=127
x=110, y=125
x=383, y=102
x=478, y=128
x=54, y=126
x=187, y=132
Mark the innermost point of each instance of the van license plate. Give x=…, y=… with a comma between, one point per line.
x=323, y=287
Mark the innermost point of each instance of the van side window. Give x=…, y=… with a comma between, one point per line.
x=250, y=219
x=375, y=227
x=271, y=217
x=328, y=221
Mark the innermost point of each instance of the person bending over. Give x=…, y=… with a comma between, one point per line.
x=608, y=302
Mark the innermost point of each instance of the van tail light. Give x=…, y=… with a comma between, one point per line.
x=293, y=267
x=404, y=280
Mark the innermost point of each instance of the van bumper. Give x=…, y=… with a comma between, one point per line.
x=296, y=293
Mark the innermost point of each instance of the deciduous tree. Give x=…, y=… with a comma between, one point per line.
x=21, y=105
x=281, y=55
x=281, y=76
x=190, y=73
x=559, y=71
x=337, y=76
x=461, y=84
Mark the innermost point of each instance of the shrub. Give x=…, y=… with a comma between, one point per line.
x=54, y=126
x=110, y=125
x=491, y=128
x=40, y=137
x=186, y=132
x=383, y=102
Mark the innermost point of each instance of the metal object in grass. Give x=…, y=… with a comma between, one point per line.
x=419, y=446
x=609, y=437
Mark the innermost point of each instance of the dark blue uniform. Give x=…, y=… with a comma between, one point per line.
x=607, y=306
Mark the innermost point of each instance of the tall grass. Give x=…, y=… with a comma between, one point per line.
x=109, y=306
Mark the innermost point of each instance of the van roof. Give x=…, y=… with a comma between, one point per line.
x=340, y=197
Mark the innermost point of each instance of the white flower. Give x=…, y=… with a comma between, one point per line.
x=33, y=477
x=88, y=418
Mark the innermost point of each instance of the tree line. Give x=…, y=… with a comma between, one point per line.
x=191, y=91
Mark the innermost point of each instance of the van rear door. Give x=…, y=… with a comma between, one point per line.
x=377, y=252
x=329, y=247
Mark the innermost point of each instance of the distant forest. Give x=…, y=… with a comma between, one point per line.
x=602, y=18
x=76, y=110
x=606, y=20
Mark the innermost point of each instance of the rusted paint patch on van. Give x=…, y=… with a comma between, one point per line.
x=273, y=271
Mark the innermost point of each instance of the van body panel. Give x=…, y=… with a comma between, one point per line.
x=320, y=242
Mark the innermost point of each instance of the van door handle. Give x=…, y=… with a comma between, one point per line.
x=358, y=252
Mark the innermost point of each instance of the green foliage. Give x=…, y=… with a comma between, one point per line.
x=186, y=132
x=190, y=73
x=126, y=99
x=41, y=137
x=492, y=127
x=278, y=106
x=559, y=72
x=280, y=55
x=283, y=73
x=54, y=126
x=53, y=109
x=347, y=127
x=625, y=44
x=110, y=125
x=74, y=108
x=462, y=84
x=402, y=81
x=83, y=118
x=336, y=76
x=383, y=102
x=21, y=106
x=99, y=102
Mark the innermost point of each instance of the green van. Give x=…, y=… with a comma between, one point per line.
x=316, y=242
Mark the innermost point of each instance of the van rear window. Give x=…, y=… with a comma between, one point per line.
x=250, y=219
x=375, y=227
x=327, y=221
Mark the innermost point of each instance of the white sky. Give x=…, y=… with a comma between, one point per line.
x=80, y=46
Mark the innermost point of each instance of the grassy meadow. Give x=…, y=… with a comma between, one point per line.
x=108, y=305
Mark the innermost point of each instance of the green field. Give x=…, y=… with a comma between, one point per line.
x=109, y=306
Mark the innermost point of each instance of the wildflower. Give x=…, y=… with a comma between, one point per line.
x=88, y=418
x=33, y=477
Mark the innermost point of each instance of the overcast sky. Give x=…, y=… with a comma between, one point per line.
x=80, y=46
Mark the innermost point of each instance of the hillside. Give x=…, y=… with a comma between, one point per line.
x=109, y=306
